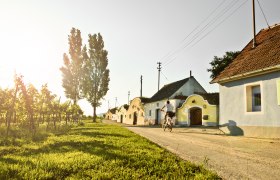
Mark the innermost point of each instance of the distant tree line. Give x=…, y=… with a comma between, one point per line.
x=27, y=107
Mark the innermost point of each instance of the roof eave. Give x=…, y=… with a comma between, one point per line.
x=248, y=74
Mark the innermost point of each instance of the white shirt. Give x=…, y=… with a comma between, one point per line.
x=169, y=107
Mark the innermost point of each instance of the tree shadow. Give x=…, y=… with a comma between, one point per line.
x=234, y=130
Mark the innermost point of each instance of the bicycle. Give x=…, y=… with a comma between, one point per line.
x=168, y=122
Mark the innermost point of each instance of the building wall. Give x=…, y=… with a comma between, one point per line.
x=183, y=113
x=189, y=88
x=108, y=116
x=158, y=105
x=135, y=107
x=233, y=108
x=114, y=117
x=122, y=112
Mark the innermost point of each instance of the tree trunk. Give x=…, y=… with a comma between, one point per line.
x=94, y=113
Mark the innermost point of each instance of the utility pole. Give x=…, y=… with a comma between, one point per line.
x=159, y=68
x=141, y=80
x=128, y=97
x=254, y=25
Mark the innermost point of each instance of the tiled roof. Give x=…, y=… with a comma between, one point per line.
x=168, y=90
x=212, y=98
x=265, y=55
x=144, y=99
x=113, y=110
x=125, y=106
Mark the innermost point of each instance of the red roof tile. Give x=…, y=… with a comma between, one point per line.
x=266, y=54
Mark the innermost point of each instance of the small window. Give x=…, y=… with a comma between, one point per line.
x=130, y=116
x=150, y=112
x=157, y=104
x=253, y=96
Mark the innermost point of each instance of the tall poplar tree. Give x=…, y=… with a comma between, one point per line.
x=95, y=72
x=71, y=71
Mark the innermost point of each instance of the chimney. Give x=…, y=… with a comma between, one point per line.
x=190, y=73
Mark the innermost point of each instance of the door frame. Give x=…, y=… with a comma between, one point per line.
x=189, y=115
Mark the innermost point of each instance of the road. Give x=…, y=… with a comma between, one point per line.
x=231, y=157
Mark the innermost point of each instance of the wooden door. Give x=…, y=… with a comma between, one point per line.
x=196, y=116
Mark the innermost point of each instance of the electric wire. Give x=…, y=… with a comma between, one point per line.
x=164, y=75
x=263, y=14
x=220, y=23
x=204, y=28
x=164, y=57
x=187, y=45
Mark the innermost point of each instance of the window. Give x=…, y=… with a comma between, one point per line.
x=278, y=91
x=157, y=104
x=150, y=112
x=254, y=99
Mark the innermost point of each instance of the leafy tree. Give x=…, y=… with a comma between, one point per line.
x=28, y=95
x=218, y=64
x=96, y=75
x=71, y=71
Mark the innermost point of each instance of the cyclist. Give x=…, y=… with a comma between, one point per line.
x=169, y=111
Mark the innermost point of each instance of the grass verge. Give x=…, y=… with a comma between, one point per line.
x=95, y=151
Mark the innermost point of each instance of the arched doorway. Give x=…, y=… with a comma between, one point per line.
x=195, y=116
x=121, y=118
x=134, y=118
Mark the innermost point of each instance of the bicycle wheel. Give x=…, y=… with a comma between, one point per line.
x=170, y=127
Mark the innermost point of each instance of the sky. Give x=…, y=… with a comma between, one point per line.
x=184, y=35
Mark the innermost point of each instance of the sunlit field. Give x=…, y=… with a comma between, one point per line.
x=92, y=151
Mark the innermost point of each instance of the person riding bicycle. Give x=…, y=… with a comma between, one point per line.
x=169, y=111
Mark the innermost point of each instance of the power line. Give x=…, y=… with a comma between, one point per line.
x=167, y=55
x=205, y=27
x=220, y=23
x=164, y=76
x=263, y=14
x=195, y=42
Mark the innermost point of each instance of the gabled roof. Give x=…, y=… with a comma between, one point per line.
x=168, y=90
x=144, y=99
x=212, y=98
x=265, y=57
x=125, y=106
x=113, y=110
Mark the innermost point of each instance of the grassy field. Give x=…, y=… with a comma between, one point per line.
x=93, y=151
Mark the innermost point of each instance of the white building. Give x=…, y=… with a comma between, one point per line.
x=176, y=93
x=250, y=88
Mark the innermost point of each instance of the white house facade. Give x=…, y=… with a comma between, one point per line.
x=176, y=93
x=122, y=113
x=250, y=89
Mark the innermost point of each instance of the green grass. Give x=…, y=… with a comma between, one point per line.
x=94, y=151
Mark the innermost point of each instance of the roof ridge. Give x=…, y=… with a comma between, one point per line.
x=271, y=27
x=177, y=81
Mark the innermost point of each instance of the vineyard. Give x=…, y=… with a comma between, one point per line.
x=27, y=108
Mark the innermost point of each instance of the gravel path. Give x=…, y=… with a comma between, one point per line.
x=231, y=157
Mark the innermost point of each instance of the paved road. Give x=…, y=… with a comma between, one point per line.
x=231, y=157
